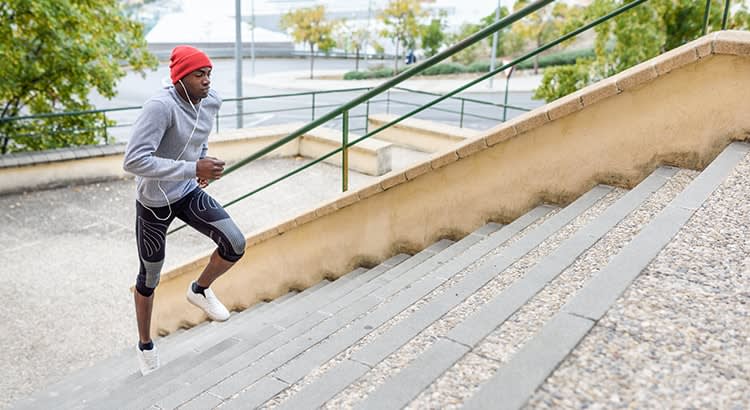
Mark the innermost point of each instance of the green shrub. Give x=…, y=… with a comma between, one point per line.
x=480, y=67
x=366, y=75
x=562, y=80
x=444, y=68
x=552, y=60
x=558, y=59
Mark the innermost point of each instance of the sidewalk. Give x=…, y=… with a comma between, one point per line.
x=299, y=80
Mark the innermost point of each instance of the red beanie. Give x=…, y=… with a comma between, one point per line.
x=185, y=60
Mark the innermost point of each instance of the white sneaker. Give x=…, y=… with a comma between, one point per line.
x=209, y=303
x=148, y=360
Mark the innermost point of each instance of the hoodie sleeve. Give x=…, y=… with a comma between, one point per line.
x=148, y=131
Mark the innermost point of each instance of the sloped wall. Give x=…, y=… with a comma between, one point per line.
x=679, y=109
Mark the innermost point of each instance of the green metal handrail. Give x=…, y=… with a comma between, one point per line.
x=541, y=49
x=505, y=66
x=220, y=116
x=386, y=86
x=469, y=41
x=472, y=100
x=706, y=15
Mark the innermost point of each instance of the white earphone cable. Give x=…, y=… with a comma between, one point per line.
x=190, y=138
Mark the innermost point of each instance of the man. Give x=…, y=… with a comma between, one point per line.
x=167, y=153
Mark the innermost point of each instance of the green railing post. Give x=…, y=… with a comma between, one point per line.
x=461, y=122
x=313, y=106
x=388, y=102
x=507, y=83
x=106, y=136
x=726, y=15
x=217, y=122
x=705, y=17
x=345, y=153
x=367, y=116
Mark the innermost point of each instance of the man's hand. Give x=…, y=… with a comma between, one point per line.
x=209, y=168
x=202, y=182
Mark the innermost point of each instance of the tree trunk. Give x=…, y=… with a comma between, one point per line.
x=395, y=69
x=312, y=59
x=356, y=61
x=536, y=57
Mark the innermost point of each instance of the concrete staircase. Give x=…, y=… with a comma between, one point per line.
x=408, y=332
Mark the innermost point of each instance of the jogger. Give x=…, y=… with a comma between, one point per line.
x=167, y=153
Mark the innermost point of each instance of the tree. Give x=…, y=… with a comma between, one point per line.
x=350, y=36
x=469, y=55
x=544, y=25
x=309, y=25
x=507, y=41
x=401, y=20
x=433, y=35
x=635, y=36
x=54, y=53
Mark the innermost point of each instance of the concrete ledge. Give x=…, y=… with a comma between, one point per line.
x=371, y=156
x=421, y=135
x=46, y=169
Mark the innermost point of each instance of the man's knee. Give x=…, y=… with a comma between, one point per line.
x=148, y=277
x=143, y=290
x=235, y=249
x=229, y=254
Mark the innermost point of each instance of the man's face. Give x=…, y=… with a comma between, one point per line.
x=198, y=83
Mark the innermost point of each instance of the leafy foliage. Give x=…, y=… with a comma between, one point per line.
x=54, y=53
x=309, y=25
x=401, y=21
x=557, y=80
x=637, y=35
x=352, y=37
x=544, y=25
x=433, y=35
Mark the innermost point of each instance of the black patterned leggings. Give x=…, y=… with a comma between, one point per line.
x=198, y=210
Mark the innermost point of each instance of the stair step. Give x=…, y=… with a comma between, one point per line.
x=302, y=365
x=249, y=353
x=279, y=315
x=515, y=382
x=457, y=384
x=253, y=331
x=274, y=356
x=362, y=360
x=399, y=390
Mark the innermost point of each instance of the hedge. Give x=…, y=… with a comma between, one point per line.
x=558, y=59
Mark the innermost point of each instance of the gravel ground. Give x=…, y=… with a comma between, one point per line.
x=680, y=335
x=69, y=259
x=462, y=380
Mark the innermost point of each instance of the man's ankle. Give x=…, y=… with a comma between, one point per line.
x=146, y=346
x=199, y=289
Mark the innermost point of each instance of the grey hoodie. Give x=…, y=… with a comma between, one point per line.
x=155, y=150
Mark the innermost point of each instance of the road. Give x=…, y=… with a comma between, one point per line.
x=134, y=89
